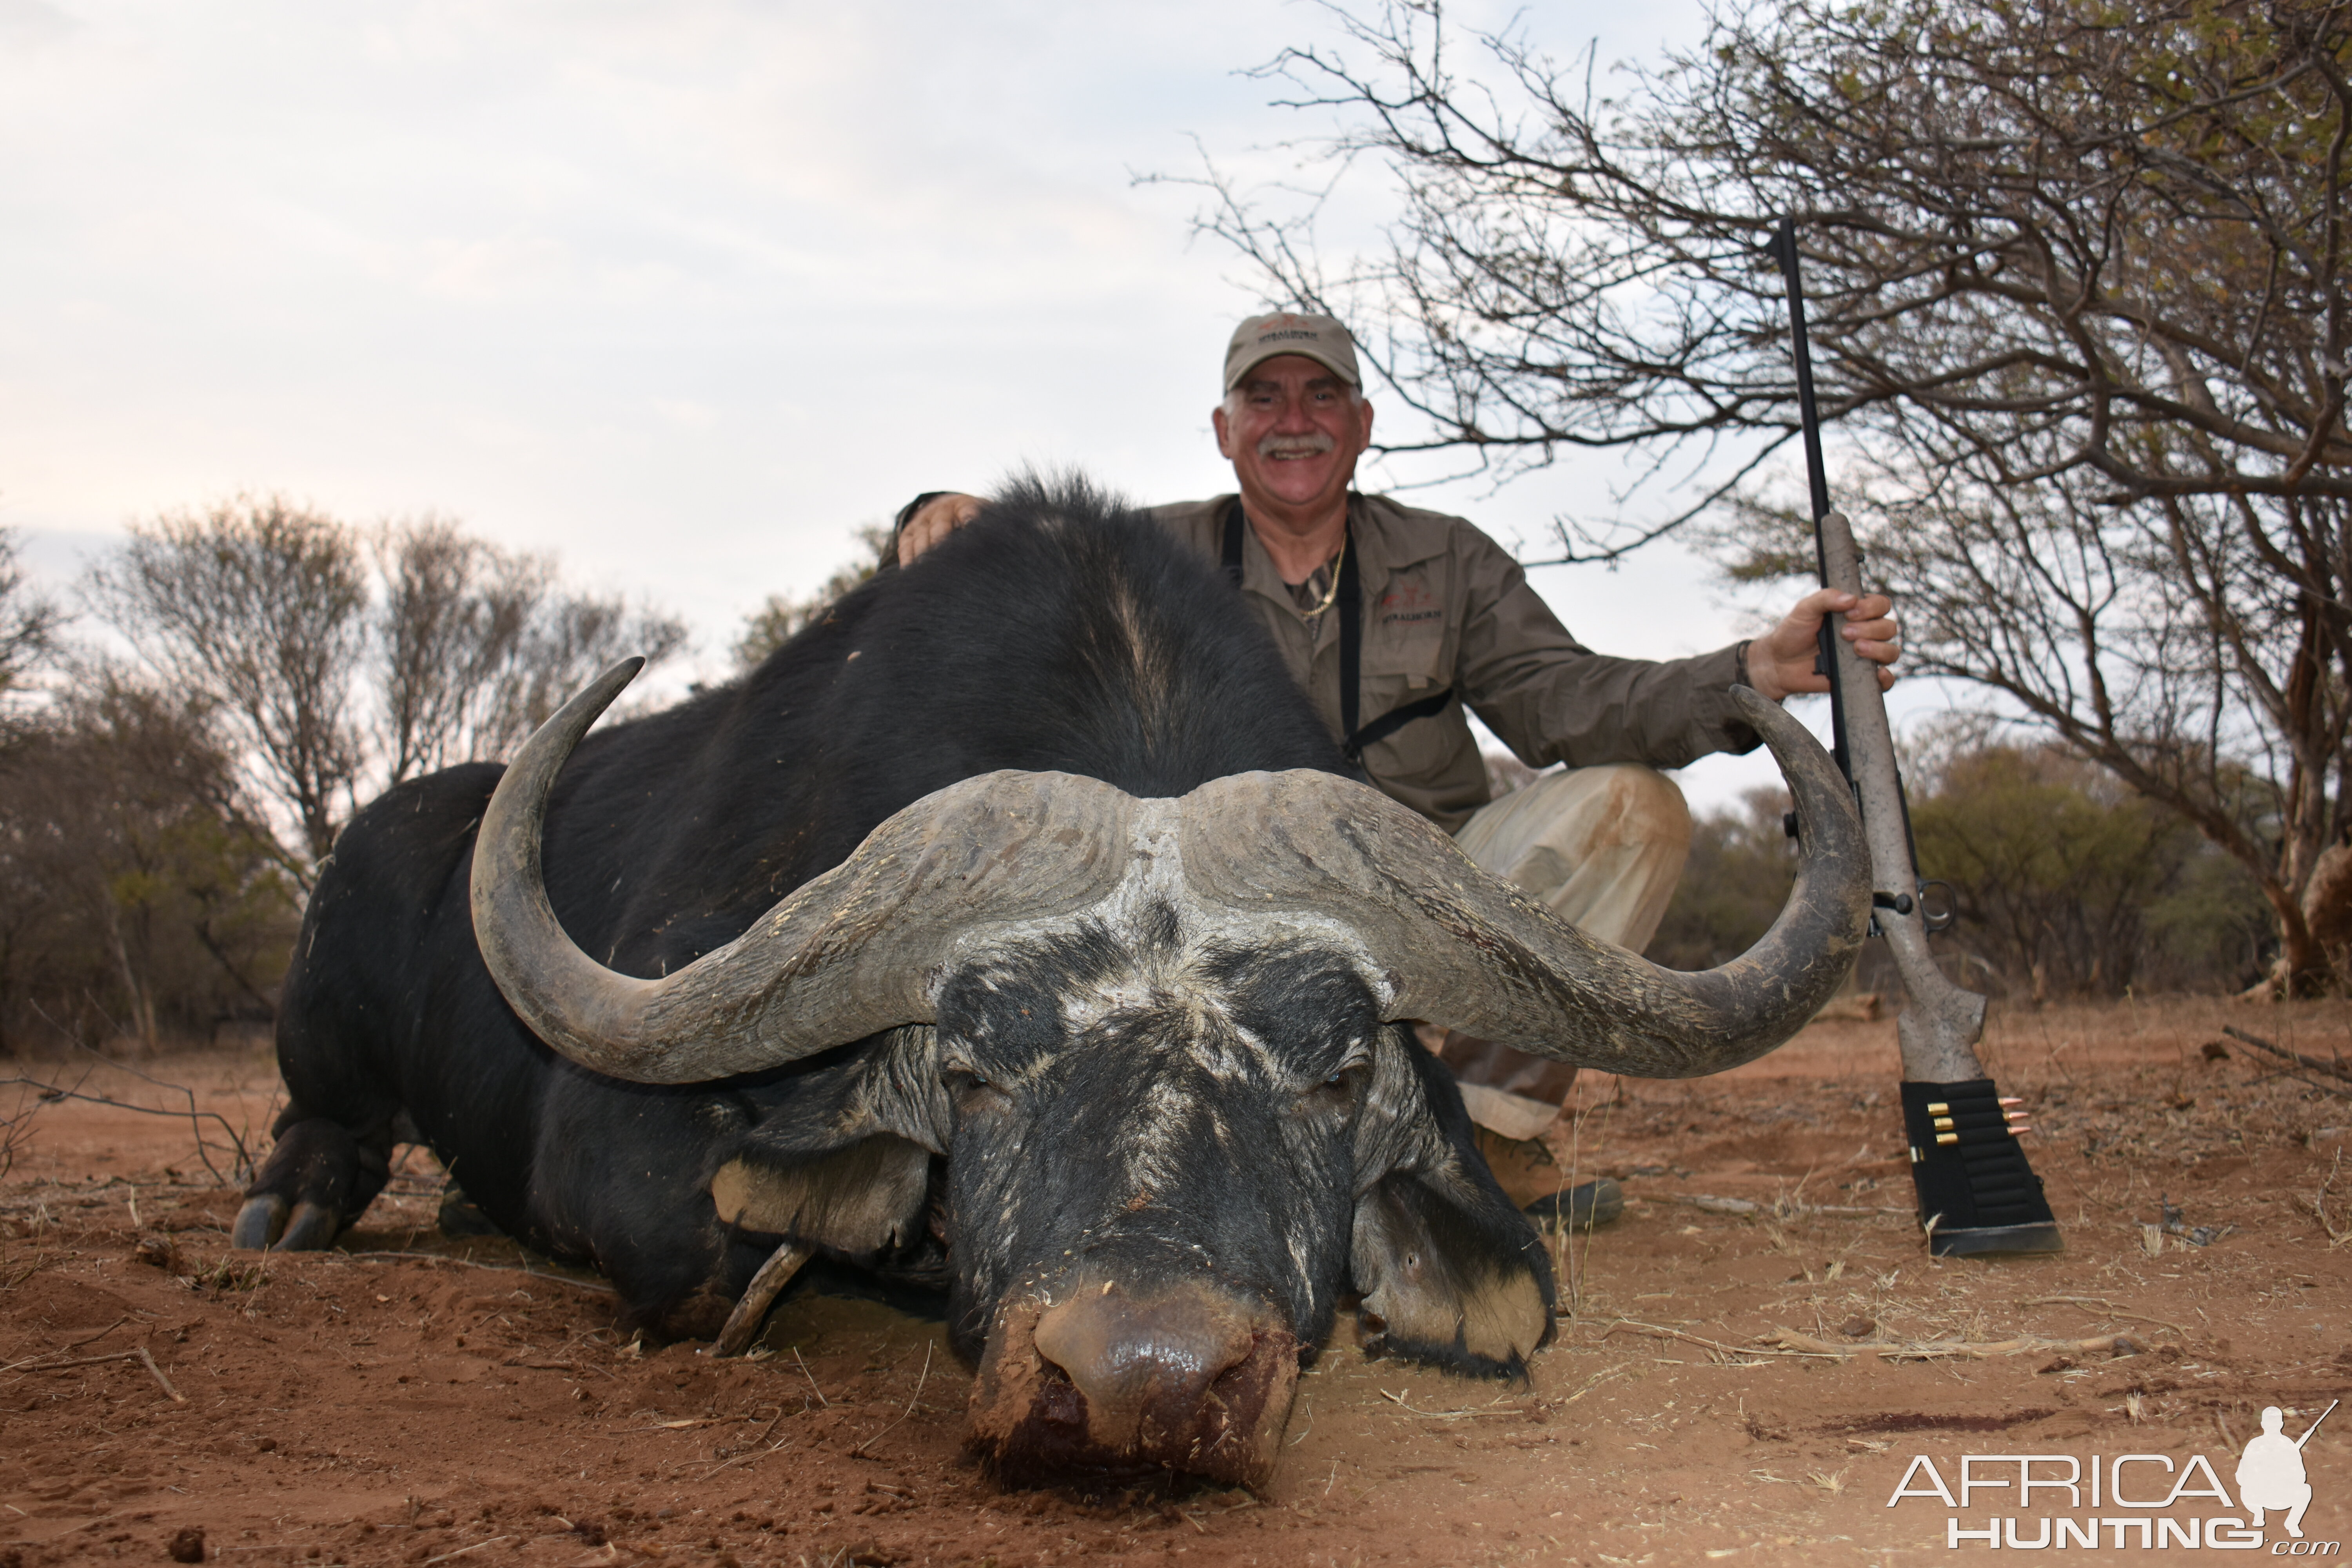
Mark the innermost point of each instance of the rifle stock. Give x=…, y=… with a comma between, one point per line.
x=1940, y=1023
x=1977, y=1193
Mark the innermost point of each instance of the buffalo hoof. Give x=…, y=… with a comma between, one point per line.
x=310, y=1227
x=1106, y=1386
x=316, y=1178
x=268, y=1223
x=258, y=1223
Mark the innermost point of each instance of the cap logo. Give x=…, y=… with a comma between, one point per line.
x=1264, y=337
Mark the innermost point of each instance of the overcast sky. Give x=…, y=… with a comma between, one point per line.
x=680, y=292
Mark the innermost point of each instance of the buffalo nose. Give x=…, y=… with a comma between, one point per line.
x=1145, y=1365
x=1111, y=1380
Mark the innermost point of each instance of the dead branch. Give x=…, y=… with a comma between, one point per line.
x=49, y=1092
x=590, y=1285
x=1934, y=1350
x=2108, y=1308
x=1656, y=1331
x=1785, y=1208
x=2333, y=1069
x=1793, y=1343
x=2318, y=1204
x=138, y=1355
x=903, y=1414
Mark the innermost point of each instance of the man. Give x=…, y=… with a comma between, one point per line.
x=1443, y=619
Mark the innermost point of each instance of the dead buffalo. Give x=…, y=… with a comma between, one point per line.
x=1017, y=933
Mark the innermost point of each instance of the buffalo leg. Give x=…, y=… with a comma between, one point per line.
x=744, y=1323
x=317, y=1180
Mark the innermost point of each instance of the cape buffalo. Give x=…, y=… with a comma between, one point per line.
x=1015, y=933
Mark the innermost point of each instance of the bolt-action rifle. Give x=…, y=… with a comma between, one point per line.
x=1977, y=1193
x=2324, y=1414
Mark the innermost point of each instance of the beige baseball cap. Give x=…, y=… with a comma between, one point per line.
x=1319, y=338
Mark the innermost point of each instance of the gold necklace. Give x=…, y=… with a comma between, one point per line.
x=1331, y=593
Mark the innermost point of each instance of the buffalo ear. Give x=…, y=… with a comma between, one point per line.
x=1449, y=1272
x=844, y=1164
x=861, y=1200
x=1462, y=1284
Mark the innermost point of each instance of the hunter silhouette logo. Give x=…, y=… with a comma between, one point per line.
x=2270, y=1472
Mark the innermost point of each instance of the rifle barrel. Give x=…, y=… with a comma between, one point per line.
x=1783, y=246
x=2324, y=1414
x=1784, y=251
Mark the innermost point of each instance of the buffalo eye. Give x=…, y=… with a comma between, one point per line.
x=970, y=1089
x=1336, y=1092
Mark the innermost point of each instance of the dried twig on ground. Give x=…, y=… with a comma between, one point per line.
x=2333, y=1069
x=89, y=1339
x=1656, y=1331
x=903, y=1414
x=1935, y=1349
x=2318, y=1203
x=1786, y=1208
x=194, y=1117
x=140, y=1355
x=2107, y=1307
x=1398, y=1399
x=15, y=1131
x=1793, y=1343
x=590, y=1285
x=805, y=1372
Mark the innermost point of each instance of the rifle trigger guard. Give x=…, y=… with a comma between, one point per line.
x=1935, y=918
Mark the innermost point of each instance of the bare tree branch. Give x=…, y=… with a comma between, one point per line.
x=2076, y=278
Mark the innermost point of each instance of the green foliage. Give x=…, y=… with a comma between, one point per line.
x=2065, y=882
x=2068, y=884
x=1740, y=867
x=138, y=896
x=781, y=618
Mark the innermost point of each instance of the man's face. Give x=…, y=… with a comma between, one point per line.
x=1293, y=432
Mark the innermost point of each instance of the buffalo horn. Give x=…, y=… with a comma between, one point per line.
x=1465, y=949
x=842, y=956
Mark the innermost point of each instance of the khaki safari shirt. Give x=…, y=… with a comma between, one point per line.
x=1445, y=605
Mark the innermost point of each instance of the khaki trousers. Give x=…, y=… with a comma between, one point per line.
x=1600, y=847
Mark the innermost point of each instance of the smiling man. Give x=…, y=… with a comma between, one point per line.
x=1399, y=623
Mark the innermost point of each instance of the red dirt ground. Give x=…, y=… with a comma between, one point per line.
x=414, y=1400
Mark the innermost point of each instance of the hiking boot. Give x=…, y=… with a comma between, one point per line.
x=1524, y=1168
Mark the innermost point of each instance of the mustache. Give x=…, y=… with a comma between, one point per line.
x=1296, y=446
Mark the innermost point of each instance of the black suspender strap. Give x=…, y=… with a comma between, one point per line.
x=1350, y=596
x=1351, y=670
x=1351, y=642
x=1395, y=719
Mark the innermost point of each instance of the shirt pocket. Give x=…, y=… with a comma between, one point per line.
x=1407, y=632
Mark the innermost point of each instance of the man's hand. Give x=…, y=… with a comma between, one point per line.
x=1782, y=662
x=934, y=521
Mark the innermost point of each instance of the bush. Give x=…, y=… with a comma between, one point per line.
x=2063, y=883
x=1740, y=867
x=2068, y=884
x=139, y=898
